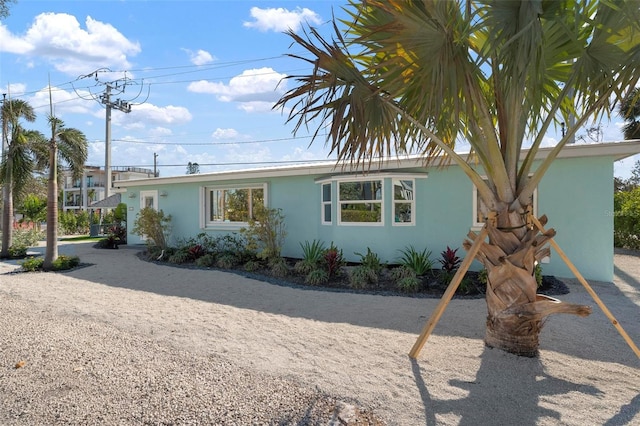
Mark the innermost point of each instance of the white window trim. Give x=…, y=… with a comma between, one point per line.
x=324, y=203
x=476, y=226
x=204, y=205
x=380, y=201
x=145, y=194
x=394, y=202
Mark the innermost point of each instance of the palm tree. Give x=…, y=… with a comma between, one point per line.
x=17, y=162
x=70, y=145
x=417, y=77
x=630, y=110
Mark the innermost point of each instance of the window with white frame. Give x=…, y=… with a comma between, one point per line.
x=326, y=203
x=232, y=205
x=360, y=202
x=480, y=210
x=403, y=202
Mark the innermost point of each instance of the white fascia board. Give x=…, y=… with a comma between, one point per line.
x=618, y=150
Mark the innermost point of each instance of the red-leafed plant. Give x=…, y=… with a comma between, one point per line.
x=449, y=260
x=333, y=260
x=196, y=251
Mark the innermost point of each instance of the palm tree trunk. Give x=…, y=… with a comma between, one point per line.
x=51, y=253
x=7, y=216
x=516, y=313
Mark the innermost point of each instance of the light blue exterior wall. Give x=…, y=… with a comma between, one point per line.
x=576, y=194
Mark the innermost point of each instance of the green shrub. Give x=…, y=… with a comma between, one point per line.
x=17, y=251
x=408, y=284
x=371, y=260
x=252, y=266
x=278, y=267
x=180, y=257
x=317, y=277
x=402, y=272
x=303, y=267
x=313, y=251
x=626, y=219
x=206, y=261
x=361, y=276
x=227, y=261
x=418, y=261
x=266, y=232
x=32, y=264
x=153, y=225
x=27, y=237
x=63, y=262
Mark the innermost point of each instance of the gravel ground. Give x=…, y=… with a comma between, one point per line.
x=128, y=342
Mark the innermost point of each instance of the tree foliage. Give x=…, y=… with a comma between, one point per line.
x=154, y=226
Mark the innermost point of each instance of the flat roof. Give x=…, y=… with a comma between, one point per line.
x=616, y=150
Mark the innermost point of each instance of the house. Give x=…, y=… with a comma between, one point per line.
x=397, y=203
x=80, y=194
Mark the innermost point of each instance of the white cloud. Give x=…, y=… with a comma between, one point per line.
x=225, y=134
x=280, y=19
x=63, y=101
x=152, y=114
x=70, y=48
x=255, y=89
x=200, y=57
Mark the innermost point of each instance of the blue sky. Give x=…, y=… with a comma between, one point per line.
x=201, y=77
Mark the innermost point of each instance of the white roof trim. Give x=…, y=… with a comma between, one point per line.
x=617, y=150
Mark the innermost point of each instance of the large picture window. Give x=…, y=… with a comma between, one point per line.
x=360, y=202
x=232, y=205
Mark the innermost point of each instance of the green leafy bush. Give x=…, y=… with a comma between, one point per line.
x=227, y=261
x=371, y=260
x=626, y=219
x=153, y=225
x=418, y=261
x=206, y=261
x=17, y=251
x=32, y=264
x=180, y=257
x=266, y=232
x=27, y=237
x=278, y=267
x=317, y=277
x=62, y=263
x=362, y=276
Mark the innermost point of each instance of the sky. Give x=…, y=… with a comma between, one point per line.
x=201, y=78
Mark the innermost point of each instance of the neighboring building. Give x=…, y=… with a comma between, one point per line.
x=80, y=194
x=395, y=204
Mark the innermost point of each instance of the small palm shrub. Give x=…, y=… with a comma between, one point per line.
x=317, y=277
x=418, y=261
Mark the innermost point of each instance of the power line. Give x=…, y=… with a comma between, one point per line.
x=209, y=143
x=247, y=163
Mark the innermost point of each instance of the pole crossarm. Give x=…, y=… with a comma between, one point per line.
x=589, y=289
x=448, y=294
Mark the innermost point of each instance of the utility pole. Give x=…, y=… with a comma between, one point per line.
x=120, y=105
x=155, y=156
x=5, y=142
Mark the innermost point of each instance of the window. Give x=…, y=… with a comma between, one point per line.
x=360, y=202
x=326, y=204
x=232, y=205
x=403, y=204
x=480, y=210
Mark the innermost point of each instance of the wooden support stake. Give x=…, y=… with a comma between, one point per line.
x=448, y=294
x=590, y=290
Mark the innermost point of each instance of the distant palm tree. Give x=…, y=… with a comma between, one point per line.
x=422, y=76
x=17, y=160
x=70, y=146
x=630, y=111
